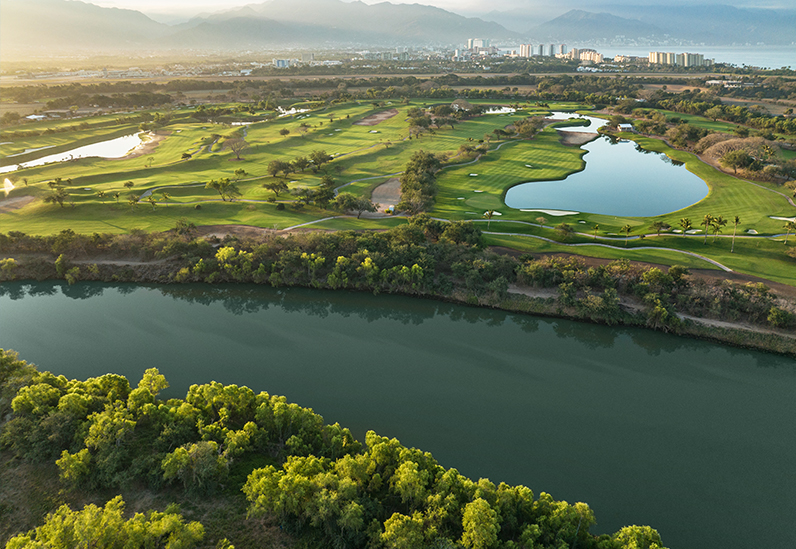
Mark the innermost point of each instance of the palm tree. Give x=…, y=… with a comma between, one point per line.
x=627, y=229
x=658, y=226
x=488, y=215
x=101, y=195
x=685, y=223
x=735, y=223
x=116, y=195
x=596, y=228
x=707, y=221
x=790, y=226
x=717, y=224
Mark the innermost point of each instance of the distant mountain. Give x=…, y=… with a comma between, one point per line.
x=518, y=20
x=57, y=25
x=716, y=24
x=579, y=25
x=60, y=25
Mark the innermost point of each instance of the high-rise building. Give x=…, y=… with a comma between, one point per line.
x=551, y=52
x=541, y=50
x=307, y=57
x=281, y=63
x=526, y=50
x=470, y=43
x=562, y=49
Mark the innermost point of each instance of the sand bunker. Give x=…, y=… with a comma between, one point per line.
x=388, y=193
x=555, y=213
x=10, y=204
x=377, y=118
x=576, y=138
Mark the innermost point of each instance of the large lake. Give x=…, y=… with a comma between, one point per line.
x=620, y=179
x=695, y=439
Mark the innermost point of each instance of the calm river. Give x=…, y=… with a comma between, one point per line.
x=694, y=439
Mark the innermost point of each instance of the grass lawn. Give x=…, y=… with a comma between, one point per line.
x=364, y=156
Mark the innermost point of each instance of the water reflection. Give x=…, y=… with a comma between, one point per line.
x=249, y=299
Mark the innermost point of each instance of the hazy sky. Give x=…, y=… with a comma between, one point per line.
x=458, y=6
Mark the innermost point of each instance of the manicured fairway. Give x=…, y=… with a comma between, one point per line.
x=364, y=157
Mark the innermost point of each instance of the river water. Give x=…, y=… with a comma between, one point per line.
x=695, y=439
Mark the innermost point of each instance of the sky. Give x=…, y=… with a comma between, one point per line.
x=463, y=7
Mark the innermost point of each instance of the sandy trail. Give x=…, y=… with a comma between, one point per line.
x=15, y=203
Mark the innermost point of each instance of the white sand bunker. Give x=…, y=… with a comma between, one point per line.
x=493, y=213
x=478, y=191
x=751, y=231
x=783, y=218
x=338, y=130
x=473, y=175
x=693, y=231
x=460, y=198
x=373, y=131
x=554, y=213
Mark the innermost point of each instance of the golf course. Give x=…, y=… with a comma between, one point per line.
x=167, y=177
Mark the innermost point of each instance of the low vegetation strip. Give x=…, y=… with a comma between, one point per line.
x=424, y=257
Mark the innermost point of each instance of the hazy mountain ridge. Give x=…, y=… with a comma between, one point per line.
x=583, y=25
x=276, y=23
x=63, y=26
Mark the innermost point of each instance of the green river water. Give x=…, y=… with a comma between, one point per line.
x=695, y=439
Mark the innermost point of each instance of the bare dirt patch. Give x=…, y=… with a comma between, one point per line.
x=576, y=138
x=10, y=204
x=377, y=118
x=148, y=146
x=388, y=193
x=241, y=231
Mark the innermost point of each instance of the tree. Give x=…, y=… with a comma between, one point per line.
x=152, y=201
x=736, y=159
x=58, y=196
x=303, y=128
x=714, y=113
x=347, y=202
x=101, y=195
x=790, y=227
x=132, y=200
x=284, y=132
x=488, y=215
x=117, y=195
x=301, y=163
x=627, y=229
x=596, y=228
x=659, y=226
x=716, y=225
x=735, y=223
x=685, y=223
x=480, y=524
x=128, y=185
x=237, y=145
x=225, y=188
x=150, y=161
x=106, y=527
x=277, y=186
x=276, y=166
x=564, y=230
x=707, y=221
x=319, y=158
x=240, y=173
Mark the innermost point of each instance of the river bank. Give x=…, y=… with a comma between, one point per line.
x=614, y=293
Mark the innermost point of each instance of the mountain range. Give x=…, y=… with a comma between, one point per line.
x=44, y=26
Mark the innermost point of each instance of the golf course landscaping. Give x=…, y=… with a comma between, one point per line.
x=356, y=147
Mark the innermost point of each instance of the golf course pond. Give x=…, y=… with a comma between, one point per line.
x=620, y=179
x=692, y=438
x=112, y=148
